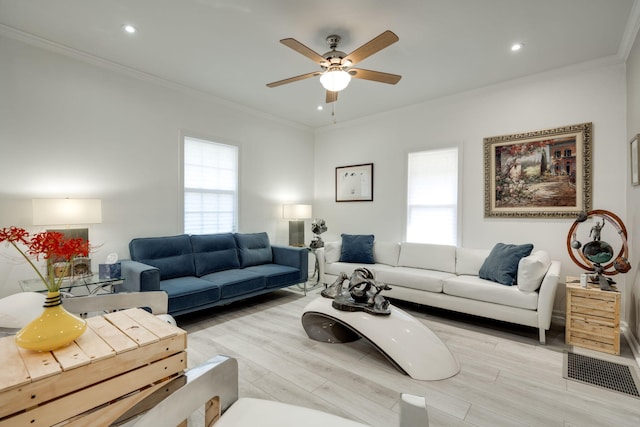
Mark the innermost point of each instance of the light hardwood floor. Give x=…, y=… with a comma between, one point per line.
x=507, y=378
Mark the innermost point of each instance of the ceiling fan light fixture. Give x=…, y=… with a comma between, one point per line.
x=335, y=80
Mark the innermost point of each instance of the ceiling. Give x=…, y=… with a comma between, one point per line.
x=230, y=48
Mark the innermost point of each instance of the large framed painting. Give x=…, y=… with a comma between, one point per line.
x=540, y=174
x=354, y=183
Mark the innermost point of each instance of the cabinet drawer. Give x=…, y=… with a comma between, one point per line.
x=609, y=344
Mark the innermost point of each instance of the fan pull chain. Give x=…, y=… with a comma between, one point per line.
x=333, y=111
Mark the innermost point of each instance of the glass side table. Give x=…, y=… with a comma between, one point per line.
x=93, y=284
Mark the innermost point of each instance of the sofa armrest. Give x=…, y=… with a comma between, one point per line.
x=547, y=295
x=138, y=277
x=292, y=257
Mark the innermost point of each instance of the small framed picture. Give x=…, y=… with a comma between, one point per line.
x=354, y=183
x=635, y=153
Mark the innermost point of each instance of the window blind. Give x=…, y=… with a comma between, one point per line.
x=210, y=187
x=432, y=197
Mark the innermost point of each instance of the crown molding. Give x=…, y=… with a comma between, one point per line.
x=97, y=61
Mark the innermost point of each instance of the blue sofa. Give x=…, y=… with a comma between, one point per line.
x=202, y=271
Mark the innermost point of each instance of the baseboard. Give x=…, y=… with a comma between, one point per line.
x=633, y=343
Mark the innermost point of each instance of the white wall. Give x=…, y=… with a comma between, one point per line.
x=72, y=129
x=590, y=93
x=633, y=193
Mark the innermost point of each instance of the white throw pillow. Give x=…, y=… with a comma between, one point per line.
x=531, y=271
x=332, y=252
x=386, y=253
x=469, y=261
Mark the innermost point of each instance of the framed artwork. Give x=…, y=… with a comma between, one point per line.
x=354, y=183
x=635, y=153
x=541, y=174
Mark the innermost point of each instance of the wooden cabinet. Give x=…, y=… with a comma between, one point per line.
x=122, y=358
x=593, y=317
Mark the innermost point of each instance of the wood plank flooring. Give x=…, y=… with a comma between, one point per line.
x=507, y=378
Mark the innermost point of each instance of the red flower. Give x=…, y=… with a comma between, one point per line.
x=48, y=245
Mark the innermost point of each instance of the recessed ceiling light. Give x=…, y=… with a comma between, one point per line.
x=319, y=108
x=516, y=47
x=128, y=28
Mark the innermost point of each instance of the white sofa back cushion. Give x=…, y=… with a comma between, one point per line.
x=469, y=261
x=531, y=271
x=427, y=256
x=386, y=253
x=332, y=252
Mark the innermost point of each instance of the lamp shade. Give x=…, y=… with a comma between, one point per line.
x=335, y=80
x=66, y=211
x=296, y=211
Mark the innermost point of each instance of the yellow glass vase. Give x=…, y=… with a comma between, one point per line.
x=53, y=329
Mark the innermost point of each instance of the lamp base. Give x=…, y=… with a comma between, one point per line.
x=296, y=233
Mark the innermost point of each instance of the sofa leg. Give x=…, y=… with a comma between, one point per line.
x=543, y=339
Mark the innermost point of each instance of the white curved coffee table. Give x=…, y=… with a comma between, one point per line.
x=406, y=342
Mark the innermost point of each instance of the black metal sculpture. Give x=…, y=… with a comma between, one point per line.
x=362, y=294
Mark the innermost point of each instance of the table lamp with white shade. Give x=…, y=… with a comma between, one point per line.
x=296, y=214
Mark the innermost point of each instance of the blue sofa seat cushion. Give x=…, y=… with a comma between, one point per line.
x=188, y=292
x=277, y=275
x=254, y=249
x=214, y=252
x=236, y=282
x=172, y=255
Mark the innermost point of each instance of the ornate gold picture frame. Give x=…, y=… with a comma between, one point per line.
x=540, y=174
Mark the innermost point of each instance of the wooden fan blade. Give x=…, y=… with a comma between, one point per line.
x=331, y=97
x=366, y=50
x=376, y=76
x=300, y=48
x=294, y=79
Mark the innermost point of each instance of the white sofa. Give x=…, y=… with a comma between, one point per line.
x=447, y=277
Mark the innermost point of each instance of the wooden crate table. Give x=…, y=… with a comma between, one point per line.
x=120, y=360
x=593, y=317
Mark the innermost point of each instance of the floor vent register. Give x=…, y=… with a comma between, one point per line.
x=601, y=373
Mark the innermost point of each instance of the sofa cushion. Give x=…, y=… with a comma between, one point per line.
x=469, y=261
x=501, y=265
x=172, y=255
x=335, y=268
x=427, y=256
x=236, y=282
x=214, y=252
x=277, y=275
x=188, y=292
x=408, y=277
x=254, y=249
x=531, y=271
x=386, y=253
x=473, y=287
x=332, y=252
x=357, y=248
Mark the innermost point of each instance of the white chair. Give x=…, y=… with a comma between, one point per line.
x=19, y=309
x=214, y=384
x=156, y=301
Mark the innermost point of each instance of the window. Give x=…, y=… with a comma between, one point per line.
x=432, y=197
x=210, y=187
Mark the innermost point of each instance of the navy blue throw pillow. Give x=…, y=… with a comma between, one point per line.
x=502, y=263
x=357, y=248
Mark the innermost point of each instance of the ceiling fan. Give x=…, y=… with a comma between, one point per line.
x=336, y=71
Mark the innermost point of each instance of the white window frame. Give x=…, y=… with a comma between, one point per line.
x=233, y=192
x=456, y=239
